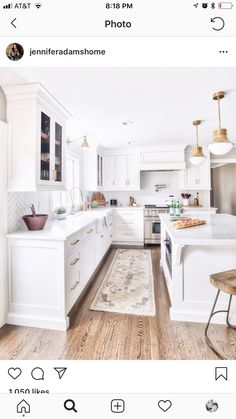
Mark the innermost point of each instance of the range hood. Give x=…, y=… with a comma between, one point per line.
x=162, y=160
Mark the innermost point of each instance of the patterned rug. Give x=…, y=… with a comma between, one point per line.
x=128, y=285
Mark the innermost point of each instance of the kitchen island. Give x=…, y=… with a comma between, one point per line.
x=189, y=256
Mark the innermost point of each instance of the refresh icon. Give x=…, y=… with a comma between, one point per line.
x=220, y=23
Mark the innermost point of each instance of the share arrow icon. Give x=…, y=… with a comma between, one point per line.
x=60, y=372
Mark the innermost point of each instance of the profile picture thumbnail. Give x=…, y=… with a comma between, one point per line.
x=212, y=406
x=14, y=52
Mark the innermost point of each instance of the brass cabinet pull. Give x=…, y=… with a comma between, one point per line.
x=74, y=286
x=75, y=242
x=74, y=261
x=101, y=236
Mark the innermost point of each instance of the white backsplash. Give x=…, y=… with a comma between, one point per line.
x=19, y=205
x=147, y=194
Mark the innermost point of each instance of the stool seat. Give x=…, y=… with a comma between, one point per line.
x=225, y=281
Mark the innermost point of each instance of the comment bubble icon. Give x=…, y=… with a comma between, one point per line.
x=37, y=373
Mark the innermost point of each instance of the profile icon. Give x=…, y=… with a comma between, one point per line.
x=212, y=406
x=14, y=52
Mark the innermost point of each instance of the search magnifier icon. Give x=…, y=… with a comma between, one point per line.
x=70, y=405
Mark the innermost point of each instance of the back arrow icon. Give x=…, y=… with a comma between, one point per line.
x=12, y=22
x=214, y=19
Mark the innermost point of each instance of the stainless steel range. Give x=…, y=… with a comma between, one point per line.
x=152, y=223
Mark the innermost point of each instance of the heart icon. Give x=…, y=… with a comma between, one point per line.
x=164, y=405
x=14, y=372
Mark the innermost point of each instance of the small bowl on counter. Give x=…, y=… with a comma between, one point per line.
x=35, y=222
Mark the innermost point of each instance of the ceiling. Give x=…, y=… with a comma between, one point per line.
x=161, y=102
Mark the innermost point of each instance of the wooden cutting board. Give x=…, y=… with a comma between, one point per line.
x=188, y=223
x=99, y=197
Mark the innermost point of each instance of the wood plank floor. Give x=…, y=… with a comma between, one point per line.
x=95, y=335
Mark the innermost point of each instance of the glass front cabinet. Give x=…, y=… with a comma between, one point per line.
x=51, y=150
x=36, y=131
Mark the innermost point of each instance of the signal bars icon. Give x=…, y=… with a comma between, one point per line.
x=8, y=6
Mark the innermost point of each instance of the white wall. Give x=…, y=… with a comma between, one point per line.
x=2, y=106
x=3, y=220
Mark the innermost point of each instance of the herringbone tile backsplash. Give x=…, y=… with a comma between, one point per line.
x=19, y=205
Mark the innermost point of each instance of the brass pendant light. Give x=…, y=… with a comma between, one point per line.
x=197, y=156
x=220, y=145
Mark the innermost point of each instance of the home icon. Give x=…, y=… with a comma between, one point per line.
x=23, y=407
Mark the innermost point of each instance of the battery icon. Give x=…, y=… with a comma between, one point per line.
x=225, y=5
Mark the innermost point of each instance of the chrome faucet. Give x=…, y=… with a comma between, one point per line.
x=72, y=198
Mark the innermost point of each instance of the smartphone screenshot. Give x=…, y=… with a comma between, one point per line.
x=118, y=209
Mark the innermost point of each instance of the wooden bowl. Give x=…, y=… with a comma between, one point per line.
x=36, y=222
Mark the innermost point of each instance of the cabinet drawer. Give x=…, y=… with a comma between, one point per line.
x=73, y=242
x=129, y=224
x=89, y=232
x=128, y=216
x=74, y=285
x=128, y=235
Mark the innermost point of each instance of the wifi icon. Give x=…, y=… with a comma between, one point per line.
x=38, y=5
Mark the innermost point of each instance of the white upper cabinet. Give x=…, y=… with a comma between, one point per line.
x=121, y=172
x=93, y=173
x=108, y=172
x=197, y=177
x=36, y=139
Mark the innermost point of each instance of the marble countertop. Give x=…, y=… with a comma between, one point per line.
x=220, y=229
x=62, y=229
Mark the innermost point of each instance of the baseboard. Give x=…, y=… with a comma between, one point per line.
x=38, y=322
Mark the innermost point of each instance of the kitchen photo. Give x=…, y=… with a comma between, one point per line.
x=118, y=213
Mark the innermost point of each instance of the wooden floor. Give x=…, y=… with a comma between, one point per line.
x=97, y=335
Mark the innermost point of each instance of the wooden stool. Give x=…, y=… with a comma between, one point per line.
x=225, y=282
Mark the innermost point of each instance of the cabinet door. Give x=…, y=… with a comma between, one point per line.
x=58, y=149
x=99, y=171
x=133, y=171
x=121, y=180
x=45, y=148
x=88, y=258
x=108, y=172
x=51, y=164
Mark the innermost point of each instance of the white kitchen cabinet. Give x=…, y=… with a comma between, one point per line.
x=197, y=177
x=88, y=253
x=93, y=173
x=121, y=172
x=36, y=139
x=42, y=292
x=129, y=226
x=104, y=236
x=108, y=172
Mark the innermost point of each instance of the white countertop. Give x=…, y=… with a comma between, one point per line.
x=220, y=229
x=62, y=229
x=190, y=208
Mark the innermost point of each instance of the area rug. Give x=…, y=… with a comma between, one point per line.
x=128, y=286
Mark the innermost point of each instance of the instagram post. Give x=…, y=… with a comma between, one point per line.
x=117, y=209
x=120, y=234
